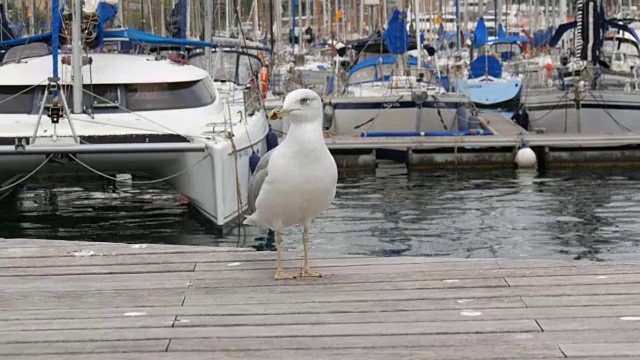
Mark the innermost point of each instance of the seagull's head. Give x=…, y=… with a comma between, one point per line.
x=302, y=105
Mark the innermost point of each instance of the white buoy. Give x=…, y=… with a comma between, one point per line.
x=526, y=158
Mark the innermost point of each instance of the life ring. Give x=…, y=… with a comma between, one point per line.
x=264, y=81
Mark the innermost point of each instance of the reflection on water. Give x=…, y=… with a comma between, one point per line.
x=563, y=215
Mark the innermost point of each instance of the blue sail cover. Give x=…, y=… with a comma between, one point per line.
x=502, y=35
x=106, y=13
x=481, y=63
x=480, y=35
x=111, y=35
x=396, y=35
x=142, y=37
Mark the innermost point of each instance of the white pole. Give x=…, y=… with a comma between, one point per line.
x=208, y=27
x=227, y=10
x=151, y=22
x=361, y=27
x=76, y=52
x=256, y=29
x=32, y=23
x=163, y=31
x=187, y=32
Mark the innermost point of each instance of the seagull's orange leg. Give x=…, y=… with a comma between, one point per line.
x=306, y=272
x=281, y=275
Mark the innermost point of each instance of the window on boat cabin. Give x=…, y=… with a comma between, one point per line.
x=168, y=96
x=363, y=75
x=16, y=99
x=247, y=66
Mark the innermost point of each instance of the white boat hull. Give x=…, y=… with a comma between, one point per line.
x=353, y=115
x=596, y=112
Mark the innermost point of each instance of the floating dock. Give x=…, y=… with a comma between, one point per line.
x=99, y=301
x=494, y=151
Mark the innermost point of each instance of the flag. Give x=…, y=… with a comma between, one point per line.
x=438, y=19
x=339, y=14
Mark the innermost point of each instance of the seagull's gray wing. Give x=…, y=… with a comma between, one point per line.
x=257, y=179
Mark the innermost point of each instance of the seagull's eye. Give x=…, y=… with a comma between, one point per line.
x=304, y=100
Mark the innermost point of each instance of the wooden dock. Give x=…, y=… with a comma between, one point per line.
x=89, y=301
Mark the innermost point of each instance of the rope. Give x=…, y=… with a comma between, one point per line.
x=27, y=176
x=238, y=187
x=97, y=172
x=604, y=108
x=378, y=114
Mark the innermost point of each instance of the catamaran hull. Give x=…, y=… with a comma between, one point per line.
x=596, y=112
x=392, y=114
x=212, y=173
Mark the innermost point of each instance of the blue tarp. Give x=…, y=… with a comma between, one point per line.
x=480, y=64
x=396, y=35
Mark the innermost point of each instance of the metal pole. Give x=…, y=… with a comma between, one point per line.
x=76, y=52
x=208, y=26
x=32, y=22
x=163, y=31
x=361, y=27
x=457, y=25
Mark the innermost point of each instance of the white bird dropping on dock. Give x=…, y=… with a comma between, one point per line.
x=296, y=181
x=526, y=158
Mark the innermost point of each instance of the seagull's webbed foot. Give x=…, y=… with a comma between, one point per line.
x=283, y=275
x=310, y=273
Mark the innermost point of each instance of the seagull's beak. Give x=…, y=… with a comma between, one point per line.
x=278, y=113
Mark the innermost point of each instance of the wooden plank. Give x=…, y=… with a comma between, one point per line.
x=100, y=269
x=84, y=347
x=84, y=300
x=631, y=321
x=202, y=296
x=345, y=267
x=584, y=300
x=135, y=259
x=374, y=275
x=131, y=321
x=317, y=342
x=239, y=309
x=106, y=285
x=455, y=327
x=604, y=351
x=111, y=249
x=574, y=280
x=347, y=313
x=386, y=286
x=395, y=341
x=409, y=316
x=485, y=353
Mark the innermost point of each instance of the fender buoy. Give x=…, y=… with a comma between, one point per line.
x=264, y=81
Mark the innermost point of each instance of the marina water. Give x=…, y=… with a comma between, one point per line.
x=564, y=214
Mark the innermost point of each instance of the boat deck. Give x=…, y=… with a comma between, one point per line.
x=89, y=301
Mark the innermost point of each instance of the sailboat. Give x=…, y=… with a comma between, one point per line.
x=392, y=94
x=150, y=114
x=585, y=93
x=488, y=85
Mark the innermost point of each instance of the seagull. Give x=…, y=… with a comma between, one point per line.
x=296, y=181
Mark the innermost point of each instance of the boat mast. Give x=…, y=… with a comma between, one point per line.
x=208, y=26
x=76, y=55
x=458, y=25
